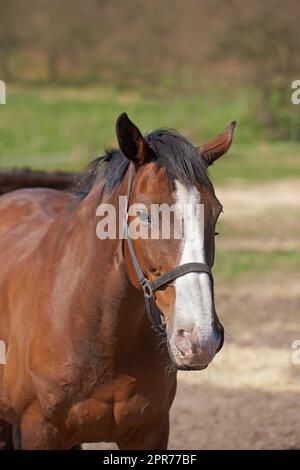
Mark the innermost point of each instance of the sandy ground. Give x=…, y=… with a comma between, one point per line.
x=249, y=398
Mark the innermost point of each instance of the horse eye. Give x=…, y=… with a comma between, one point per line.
x=143, y=216
x=216, y=234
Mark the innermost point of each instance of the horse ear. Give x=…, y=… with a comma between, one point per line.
x=131, y=141
x=216, y=147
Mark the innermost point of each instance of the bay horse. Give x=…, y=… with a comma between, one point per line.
x=83, y=363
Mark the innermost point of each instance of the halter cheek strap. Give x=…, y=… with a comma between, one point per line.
x=149, y=287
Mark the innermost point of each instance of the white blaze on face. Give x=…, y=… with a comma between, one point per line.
x=193, y=304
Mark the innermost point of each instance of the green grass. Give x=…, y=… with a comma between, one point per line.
x=258, y=162
x=64, y=128
x=232, y=264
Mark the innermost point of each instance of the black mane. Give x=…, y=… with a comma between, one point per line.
x=174, y=152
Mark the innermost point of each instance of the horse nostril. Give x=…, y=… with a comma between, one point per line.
x=190, y=344
x=185, y=332
x=185, y=342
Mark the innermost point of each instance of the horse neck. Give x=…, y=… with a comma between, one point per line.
x=102, y=287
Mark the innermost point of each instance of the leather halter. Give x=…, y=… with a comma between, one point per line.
x=149, y=287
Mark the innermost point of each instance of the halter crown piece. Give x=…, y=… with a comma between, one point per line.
x=149, y=287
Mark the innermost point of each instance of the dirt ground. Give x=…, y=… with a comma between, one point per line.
x=249, y=398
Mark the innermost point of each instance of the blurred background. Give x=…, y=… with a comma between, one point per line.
x=72, y=67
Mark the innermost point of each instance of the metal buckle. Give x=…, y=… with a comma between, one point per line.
x=146, y=286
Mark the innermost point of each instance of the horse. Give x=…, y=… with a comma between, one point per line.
x=83, y=362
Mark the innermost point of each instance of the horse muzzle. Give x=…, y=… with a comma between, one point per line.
x=190, y=349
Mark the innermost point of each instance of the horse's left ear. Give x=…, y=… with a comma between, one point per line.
x=131, y=141
x=216, y=147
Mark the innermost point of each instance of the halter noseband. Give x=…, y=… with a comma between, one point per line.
x=149, y=287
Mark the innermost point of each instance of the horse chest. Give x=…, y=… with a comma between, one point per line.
x=110, y=412
x=131, y=411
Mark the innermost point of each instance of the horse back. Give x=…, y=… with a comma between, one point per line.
x=25, y=217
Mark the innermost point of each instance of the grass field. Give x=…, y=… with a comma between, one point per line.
x=65, y=128
x=55, y=121
x=259, y=231
x=60, y=128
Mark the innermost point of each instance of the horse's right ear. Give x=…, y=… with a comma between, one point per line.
x=131, y=142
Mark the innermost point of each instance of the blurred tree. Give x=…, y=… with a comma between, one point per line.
x=266, y=38
x=63, y=35
x=124, y=40
x=9, y=37
x=60, y=30
x=169, y=42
